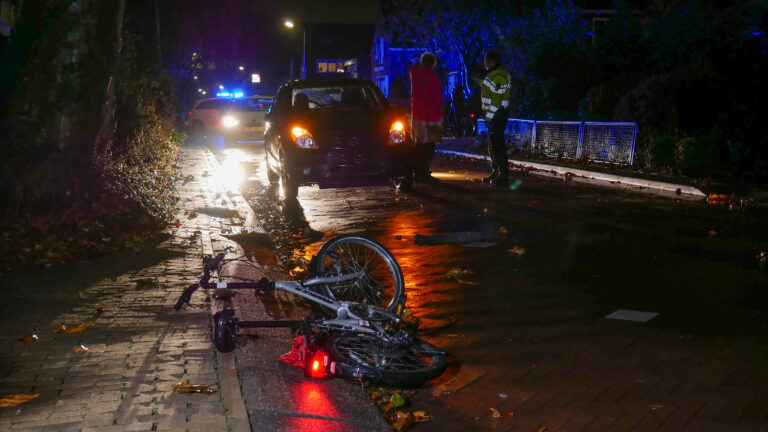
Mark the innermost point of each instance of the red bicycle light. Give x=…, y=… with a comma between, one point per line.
x=472, y=115
x=318, y=364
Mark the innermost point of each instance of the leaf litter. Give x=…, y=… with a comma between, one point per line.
x=185, y=387
x=17, y=399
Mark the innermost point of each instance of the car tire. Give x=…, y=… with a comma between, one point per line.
x=272, y=178
x=290, y=188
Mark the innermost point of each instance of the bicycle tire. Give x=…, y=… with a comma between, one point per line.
x=383, y=285
x=223, y=331
x=410, y=363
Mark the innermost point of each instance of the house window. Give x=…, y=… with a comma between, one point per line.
x=329, y=66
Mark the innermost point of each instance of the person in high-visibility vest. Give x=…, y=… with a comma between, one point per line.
x=495, y=92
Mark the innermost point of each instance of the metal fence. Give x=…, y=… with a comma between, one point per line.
x=608, y=142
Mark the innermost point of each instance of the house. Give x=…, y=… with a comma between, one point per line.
x=338, y=48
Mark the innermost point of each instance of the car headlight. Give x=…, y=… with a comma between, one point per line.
x=303, y=138
x=229, y=121
x=396, y=133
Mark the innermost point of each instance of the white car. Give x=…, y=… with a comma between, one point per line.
x=244, y=120
x=207, y=115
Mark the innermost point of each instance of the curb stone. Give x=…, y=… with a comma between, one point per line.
x=688, y=192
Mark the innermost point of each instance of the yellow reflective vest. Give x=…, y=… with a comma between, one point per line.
x=495, y=91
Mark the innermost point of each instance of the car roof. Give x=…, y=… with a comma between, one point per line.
x=259, y=97
x=329, y=81
x=199, y=101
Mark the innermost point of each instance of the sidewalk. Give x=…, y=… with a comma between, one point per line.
x=466, y=147
x=118, y=374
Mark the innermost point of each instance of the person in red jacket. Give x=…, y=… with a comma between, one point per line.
x=426, y=114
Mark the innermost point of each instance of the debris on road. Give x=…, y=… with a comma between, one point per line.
x=75, y=328
x=460, y=275
x=30, y=338
x=401, y=421
x=185, y=387
x=762, y=258
x=17, y=399
x=81, y=349
x=495, y=413
x=517, y=250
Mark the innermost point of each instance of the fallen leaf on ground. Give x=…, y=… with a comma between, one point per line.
x=543, y=429
x=81, y=348
x=401, y=421
x=459, y=275
x=517, y=250
x=502, y=230
x=655, y=406
x=176, y=223
x=17, y=399
x=296, y=270
x=30, y=338
x=192, y=215
x=185, y=387
x=410, y=320
x=712, y=233
x=99, y=310
x=397, y=400
x=74, y=328
x=495, y=413
x=421, y=416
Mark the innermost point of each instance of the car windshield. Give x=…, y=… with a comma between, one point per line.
x=338, y=97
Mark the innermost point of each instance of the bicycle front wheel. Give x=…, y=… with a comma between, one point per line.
x=382, y=284
x=367, y=357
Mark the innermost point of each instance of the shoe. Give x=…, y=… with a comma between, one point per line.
x=491, y=177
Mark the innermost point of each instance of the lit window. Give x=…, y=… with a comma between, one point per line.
x=322, y=67
x=331, y=67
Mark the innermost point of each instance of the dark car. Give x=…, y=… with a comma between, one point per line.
x=336, y=132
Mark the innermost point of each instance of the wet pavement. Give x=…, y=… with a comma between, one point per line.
x=525, y=320
x=514, y=283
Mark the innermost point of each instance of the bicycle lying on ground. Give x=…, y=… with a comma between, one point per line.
x=356, y=289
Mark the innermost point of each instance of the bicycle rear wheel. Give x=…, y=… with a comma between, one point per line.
x=364, y=356
x=382, y=284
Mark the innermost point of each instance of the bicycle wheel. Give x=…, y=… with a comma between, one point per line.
x=365, y=356
x=382, y=284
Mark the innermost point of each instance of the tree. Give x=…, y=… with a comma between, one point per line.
x=457, y=32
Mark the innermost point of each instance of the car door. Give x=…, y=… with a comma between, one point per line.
x=210, y=112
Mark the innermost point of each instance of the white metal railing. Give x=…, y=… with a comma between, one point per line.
x=610, y=142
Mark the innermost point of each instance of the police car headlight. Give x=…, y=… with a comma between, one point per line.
x=229, y=122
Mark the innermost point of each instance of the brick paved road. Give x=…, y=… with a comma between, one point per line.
x=138, y=348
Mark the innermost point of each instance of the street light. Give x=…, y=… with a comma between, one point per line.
x=289, y=24
x=241, y=67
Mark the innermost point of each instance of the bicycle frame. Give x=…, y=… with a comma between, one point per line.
x=346, y=319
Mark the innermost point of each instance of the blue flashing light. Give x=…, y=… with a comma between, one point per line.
x=238, y=94
x=223, y=94
x=757, y=33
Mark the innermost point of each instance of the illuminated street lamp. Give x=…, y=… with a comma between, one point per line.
x=289, y=24
x=241, y=67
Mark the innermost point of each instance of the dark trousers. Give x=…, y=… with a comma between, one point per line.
x=425, y=152
x=497, y=146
